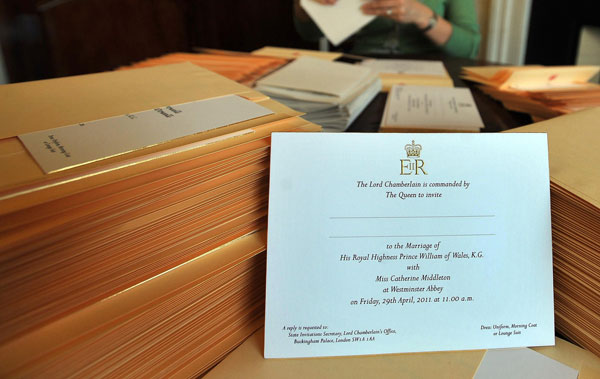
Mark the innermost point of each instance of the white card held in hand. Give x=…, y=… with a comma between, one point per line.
x=390, y=243
x=338, y=21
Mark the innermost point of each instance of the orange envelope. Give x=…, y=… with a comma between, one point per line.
x=542, y=91
x=573, y=142
x=124, y=264
x=104, y=326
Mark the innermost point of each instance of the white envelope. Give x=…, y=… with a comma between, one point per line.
x=314, y=79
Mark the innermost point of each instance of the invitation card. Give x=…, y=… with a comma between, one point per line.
x=390, y=243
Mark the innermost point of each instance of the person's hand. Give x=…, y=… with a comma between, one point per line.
x=404, y=11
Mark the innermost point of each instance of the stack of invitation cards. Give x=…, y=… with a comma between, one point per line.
x=332, y=94
x=412, y=108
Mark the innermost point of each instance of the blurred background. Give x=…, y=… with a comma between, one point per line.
x=53, y=38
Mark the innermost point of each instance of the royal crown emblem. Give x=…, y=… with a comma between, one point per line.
x=413, y=150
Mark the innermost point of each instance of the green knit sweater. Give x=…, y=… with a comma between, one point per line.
x=385, y=36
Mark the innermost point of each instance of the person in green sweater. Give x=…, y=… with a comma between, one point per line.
x=407, y=27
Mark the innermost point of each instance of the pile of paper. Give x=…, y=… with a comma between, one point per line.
x=125, y=259
x=575, y=196
x=413, y=109
x=543, y=92
x=241, y=67
x=408, y=71
x=332, y=94
x=390, y=71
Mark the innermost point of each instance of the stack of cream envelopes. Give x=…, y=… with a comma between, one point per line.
x=131, y=239
x=332, y=94
x=573, y=142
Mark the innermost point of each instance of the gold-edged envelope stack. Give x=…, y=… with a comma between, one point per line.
x=146, y=263
x=242, y=67
x=573, y=142
x=291, y=53
x=542, y=91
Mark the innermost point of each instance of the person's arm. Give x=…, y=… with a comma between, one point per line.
x=466, y=36
x=456, y=32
